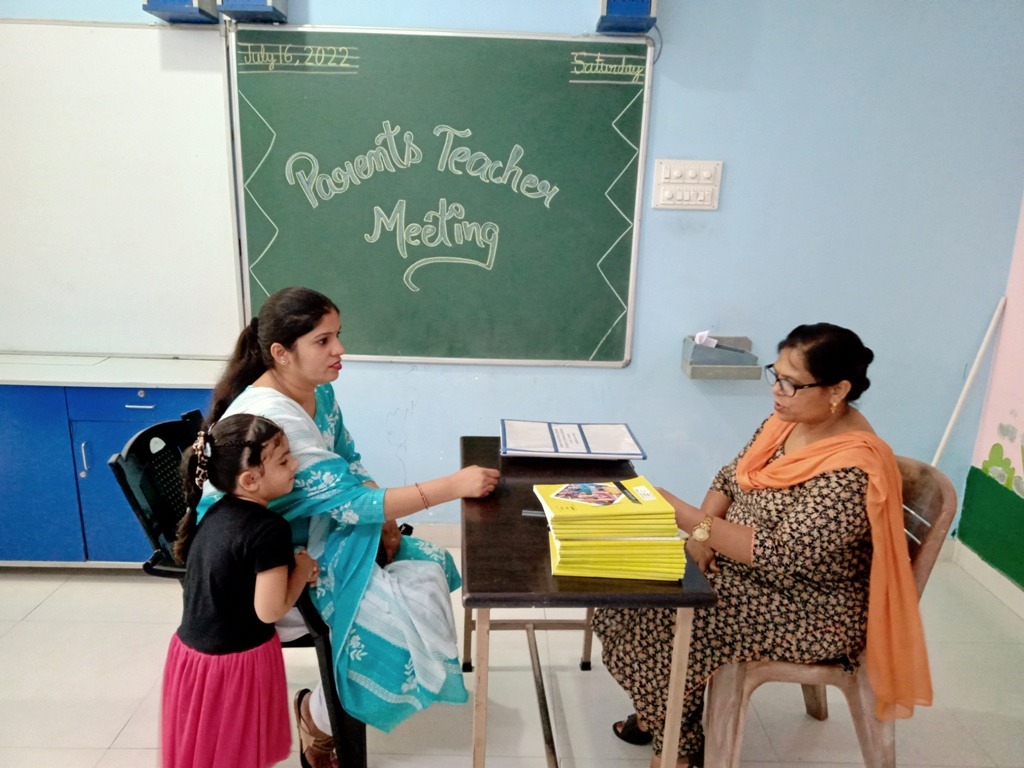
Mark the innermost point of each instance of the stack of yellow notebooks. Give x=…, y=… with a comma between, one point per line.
x=618, y=529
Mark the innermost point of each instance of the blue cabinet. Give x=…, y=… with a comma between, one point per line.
x=54, y=447
x=39, y=517
x=102, y=421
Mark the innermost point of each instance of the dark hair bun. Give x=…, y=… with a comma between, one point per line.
x=833, y=354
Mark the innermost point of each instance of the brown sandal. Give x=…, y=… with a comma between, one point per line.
x=316, y=748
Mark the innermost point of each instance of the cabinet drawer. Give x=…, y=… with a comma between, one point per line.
x=144, y=405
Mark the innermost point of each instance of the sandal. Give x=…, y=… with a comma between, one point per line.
x=629, y=731
x=316, y=748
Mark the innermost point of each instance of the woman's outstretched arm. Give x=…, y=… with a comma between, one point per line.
x=469, y=482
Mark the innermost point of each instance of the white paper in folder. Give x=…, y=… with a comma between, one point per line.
x=569, y=440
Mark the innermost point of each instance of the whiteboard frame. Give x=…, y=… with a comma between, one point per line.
x=233, y=27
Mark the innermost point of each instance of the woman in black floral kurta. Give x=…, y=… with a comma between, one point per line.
x=790, y=566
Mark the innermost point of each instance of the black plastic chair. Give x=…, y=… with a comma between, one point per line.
x=148, y=471
x=349, y=733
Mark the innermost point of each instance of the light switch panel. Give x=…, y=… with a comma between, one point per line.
x=687, y=184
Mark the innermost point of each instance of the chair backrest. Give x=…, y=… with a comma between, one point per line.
x=148, y=471
x=929, y=505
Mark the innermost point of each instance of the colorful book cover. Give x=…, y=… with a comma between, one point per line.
x=611, y=509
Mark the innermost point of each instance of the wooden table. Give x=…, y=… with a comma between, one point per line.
x=505, y=564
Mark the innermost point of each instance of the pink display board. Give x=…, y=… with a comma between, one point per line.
x=999, y=450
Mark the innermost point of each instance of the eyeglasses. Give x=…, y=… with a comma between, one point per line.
x=786, y=387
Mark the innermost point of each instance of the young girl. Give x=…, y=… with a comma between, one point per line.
x=225, y=700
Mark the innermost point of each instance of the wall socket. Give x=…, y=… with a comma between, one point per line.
x=691, y=185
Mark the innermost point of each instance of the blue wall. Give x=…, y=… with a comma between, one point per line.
x=874, y=165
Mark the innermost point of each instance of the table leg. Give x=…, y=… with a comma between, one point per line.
x=588, y=638
x=676, y=687
x=542, y=698
x=483, y=643
x=467, y=641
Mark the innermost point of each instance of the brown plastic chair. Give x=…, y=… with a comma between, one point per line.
x=929, y=505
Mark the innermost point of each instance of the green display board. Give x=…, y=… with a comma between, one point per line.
x=460, y=197
x=992, y=524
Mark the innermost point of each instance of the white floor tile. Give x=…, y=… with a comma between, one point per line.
x=934, y=737
x=43, y=757
x=113, y=598
x=795, y=736
x=979, y=677
x=75, y=661
x=955, y=608
x=584, y=733
x=1000, y=737
x=131, y=758
x=21, y=592
x=451, y=761
x=142, y=731
x=757, y=745
x=90, y=723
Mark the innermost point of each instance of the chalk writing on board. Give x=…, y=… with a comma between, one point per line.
x=309, y=59
x=386, y=157
x=434, y=231
x=481, y=166
x=620, y=69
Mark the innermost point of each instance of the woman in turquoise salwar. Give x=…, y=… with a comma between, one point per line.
x=399, y=651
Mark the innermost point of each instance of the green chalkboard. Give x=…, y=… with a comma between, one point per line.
x=461, y=197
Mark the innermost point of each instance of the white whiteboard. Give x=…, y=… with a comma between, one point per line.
x=117, y=233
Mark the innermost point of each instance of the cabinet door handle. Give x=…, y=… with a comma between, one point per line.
x=85, y=459
x=139, y=407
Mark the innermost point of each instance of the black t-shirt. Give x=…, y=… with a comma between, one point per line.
x=235, y=540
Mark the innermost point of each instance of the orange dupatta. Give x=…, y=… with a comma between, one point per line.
x=896, y=658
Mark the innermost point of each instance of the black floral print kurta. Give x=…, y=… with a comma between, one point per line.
x=804, y=599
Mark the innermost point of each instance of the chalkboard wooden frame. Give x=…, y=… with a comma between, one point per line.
x=463, y=197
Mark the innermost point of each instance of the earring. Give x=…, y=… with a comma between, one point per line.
x=834, y=406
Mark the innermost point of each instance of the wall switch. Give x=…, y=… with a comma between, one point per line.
x=687, y=184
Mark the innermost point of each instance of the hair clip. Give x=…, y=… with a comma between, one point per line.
x=201, y=447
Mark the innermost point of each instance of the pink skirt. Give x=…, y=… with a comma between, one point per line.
x=224, y=710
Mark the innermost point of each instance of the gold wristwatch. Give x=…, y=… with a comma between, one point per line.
x=702, y=531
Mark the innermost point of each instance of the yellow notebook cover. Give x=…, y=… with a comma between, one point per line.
x=612, y=509
x=654, y=560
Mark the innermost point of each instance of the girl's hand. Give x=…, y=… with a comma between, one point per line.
x=473, y=482
x=702, y=556
x=391, y=538
x=307, y=567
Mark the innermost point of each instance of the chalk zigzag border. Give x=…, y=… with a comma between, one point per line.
x=629, y=221
x=245, y=186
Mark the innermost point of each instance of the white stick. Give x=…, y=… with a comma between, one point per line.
x=970, y=379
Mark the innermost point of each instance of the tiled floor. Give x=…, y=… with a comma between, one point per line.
x=81, y=655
